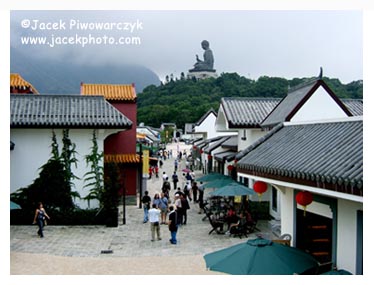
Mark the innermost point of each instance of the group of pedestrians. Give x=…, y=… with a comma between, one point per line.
x=171, y=208
x=160, y=208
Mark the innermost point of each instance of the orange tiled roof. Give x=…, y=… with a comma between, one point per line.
x=122, y=158
x=140, y=136
x=110, y=91
x=17, y=81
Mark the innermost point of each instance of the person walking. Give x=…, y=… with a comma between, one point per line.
x=175, y=180
x=201, y=197
x=178, y=208
x=166, y=187
x=164, y=208
x=150, y=171
x=146, y=200
x=154, y=220
x=185, y=207
x=195, y=189
x=175, y=164
x=39, y=218
x=156, y=170
x=173, y=226
x=156, y=200
x=164, y=176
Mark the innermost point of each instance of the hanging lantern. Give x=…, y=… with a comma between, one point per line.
x=209, y=156
x=260, y=188
x=201, y=151
x=230, y=167
x=304, y=198
x=194, y=147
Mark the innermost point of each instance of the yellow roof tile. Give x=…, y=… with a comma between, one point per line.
x=122, y=158
x=140, y=136
x=17, y=81
x=110, y=91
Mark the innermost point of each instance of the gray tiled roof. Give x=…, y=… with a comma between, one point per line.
x=73, y=111
x=216, y=144
x=231, y=143
x=324, y=155
x=355, y=106
x=247, y=112
x=295, y=98
x=226, y=155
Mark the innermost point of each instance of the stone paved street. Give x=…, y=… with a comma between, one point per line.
x=127, y=242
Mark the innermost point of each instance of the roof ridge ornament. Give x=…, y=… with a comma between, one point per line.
x=320, y=73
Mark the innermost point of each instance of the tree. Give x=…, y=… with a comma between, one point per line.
x=184, y=101
x=95, y=177
x=52, y=187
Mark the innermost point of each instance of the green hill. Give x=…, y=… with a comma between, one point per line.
x=186, y=100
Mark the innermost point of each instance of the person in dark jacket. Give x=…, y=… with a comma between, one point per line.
x=173, y=227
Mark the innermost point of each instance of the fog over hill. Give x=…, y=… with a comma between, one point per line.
x=63, y=76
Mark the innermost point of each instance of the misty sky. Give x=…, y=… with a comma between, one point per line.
x=252, y=43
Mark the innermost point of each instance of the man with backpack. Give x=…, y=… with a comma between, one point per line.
x=175, y=180
x=166, y=187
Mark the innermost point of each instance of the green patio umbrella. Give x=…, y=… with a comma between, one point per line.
x=14, y=206
x=211, y=176
x=218, y=183
x=260, y=257
x=232, y=189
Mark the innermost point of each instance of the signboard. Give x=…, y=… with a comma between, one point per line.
x=145, y=162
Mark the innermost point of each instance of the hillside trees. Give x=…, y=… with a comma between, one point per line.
x=185, y=101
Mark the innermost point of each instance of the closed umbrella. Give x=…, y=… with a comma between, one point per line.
x=260, y=257
x=232, y=189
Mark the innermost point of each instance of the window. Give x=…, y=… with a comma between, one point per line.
x=274, y=200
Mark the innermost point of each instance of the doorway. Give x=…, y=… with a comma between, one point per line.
x=314, y=234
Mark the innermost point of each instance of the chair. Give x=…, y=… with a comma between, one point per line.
x=216, y=224
x=206, y=210
x=239, y=229
x=284, y=239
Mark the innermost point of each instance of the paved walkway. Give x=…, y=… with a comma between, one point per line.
x=78, y=249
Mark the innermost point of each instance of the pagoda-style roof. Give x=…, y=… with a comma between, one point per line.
x=111, y=92
x=17, y=82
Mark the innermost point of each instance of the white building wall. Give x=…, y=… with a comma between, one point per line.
x=287, y=213
x=208, y=127
x=251, y=136
x=320, y=106
x=33, y=149
x=347, y=230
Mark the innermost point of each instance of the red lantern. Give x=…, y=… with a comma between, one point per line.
x=260, y=188
x=209, y=157
x=304, y=198
x=194, y=147
x=201, y=151
x=230, y=167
